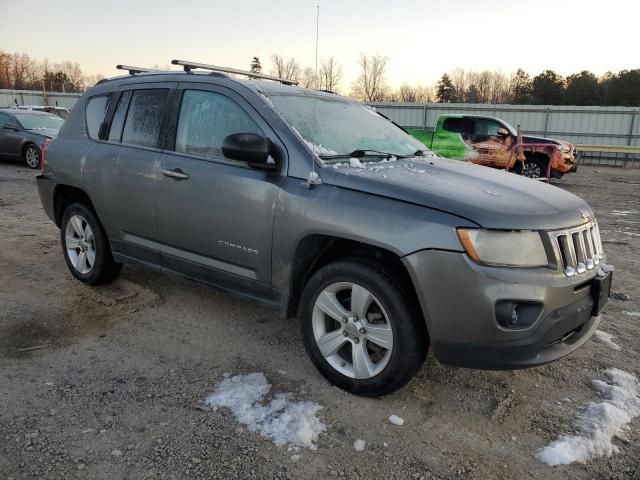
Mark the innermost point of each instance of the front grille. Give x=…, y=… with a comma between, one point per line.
x=578, y=249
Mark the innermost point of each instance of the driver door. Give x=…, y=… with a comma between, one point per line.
x=491, y=145
x=215, y=215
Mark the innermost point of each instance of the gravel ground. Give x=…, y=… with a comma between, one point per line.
x=110, y=382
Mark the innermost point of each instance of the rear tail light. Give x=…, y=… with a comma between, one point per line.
x=44, y=154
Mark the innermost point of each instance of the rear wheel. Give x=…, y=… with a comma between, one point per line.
x=31, y=156
x=360, y=330
x=86, y=247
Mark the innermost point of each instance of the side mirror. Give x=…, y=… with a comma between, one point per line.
x=503, y=132
x=251, y=148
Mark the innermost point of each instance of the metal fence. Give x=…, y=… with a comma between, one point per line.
x=615, y=126
x=8, y=98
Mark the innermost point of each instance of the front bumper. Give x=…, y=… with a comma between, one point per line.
x=459, y=297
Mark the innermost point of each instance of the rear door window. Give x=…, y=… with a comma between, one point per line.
x=458, y=125
x=96, y=109
x=144, y=117
x=206, y=119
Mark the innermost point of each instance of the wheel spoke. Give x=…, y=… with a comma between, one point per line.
x=360, y=301
x=91, y=257
x=72, y=242
x=362, y=365
x=329, y=304
x=82, y=262
x=76, y=223
x=380, y=334
x=88, y=233
x=331, y=342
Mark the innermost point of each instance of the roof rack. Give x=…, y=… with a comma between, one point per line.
x=188, y=66
x=134, y=70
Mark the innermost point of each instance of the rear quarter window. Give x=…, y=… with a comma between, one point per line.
x=96, y=109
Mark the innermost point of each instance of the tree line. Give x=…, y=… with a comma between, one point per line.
x=547, y=88
x=20, y=71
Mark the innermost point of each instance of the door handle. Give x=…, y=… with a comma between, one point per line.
x=175, y=173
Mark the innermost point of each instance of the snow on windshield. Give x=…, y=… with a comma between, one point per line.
x=337, y=126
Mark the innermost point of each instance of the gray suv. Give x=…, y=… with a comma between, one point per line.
x=317, y=206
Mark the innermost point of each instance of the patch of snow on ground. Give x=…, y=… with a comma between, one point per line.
x=396, y=420
x=622, y=212
x=605, y=338
x=359, y=445
x=632, y=314
x=599, y=423
x=283, y=420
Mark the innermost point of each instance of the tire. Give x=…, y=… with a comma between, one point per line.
x=372, y=353
x=31, y=155
x=534, y=167
x=85, y=246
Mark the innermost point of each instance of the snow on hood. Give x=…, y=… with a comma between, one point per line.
x=489, y=197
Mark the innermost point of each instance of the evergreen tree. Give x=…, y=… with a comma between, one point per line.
x=548, y=88
x=255, y=66
x=520, y=88
x=583, y=89
x=445, y=90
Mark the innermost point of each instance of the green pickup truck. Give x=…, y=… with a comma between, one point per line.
x=493, y=142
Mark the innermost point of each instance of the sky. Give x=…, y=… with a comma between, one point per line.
x=422, y=39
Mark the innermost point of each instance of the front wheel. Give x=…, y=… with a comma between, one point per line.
x=31, y=156
x=86, y=247
x=360, y=329
x=532, y=168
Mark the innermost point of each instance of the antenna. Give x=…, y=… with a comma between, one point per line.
x=134, y=70
x=317, y=30
x=188, y=66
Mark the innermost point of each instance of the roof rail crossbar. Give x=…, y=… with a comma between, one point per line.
x=188, y=66
x=134, y=70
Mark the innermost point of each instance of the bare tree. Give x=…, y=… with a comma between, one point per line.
x=407, y=93
x=330, y=74
x=371, y=84
x=308, y=78
x=285, y=68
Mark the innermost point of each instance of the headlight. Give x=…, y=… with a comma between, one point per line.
x=564, y=148
x=497, y=247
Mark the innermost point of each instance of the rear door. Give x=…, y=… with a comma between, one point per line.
x=451, y=137
x=215, y=215
x=122, y=173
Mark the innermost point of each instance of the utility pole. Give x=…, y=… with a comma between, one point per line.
x=317, y=29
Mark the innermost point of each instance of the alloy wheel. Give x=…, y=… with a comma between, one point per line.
x=80, y=244
x=532, y=170
x=352, y=330
x=32, y=156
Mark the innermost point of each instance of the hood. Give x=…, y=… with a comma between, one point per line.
x=486, y=196
x=528, y=139
x=46, y=132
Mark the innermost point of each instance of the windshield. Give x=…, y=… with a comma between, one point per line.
x=37, y=122
x=338, y=127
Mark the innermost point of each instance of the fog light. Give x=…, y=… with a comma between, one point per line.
x=512, y=315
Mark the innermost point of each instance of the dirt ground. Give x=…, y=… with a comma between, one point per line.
x=109, y=382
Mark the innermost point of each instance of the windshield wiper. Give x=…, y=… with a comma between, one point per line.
x=363, y=153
